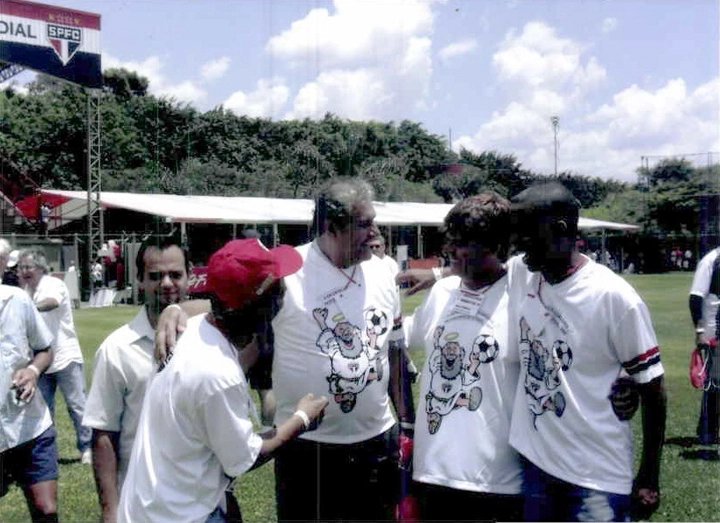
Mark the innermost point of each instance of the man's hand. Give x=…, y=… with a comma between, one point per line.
x=171, y=323
x=645, y=501
x=314, y=408
x=418, y=279
x=25, y=381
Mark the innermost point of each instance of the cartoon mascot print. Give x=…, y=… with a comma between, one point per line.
x=353, y=361
x=452, y=379
x=543, y=372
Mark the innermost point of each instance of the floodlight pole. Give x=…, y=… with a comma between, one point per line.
x=555, y=123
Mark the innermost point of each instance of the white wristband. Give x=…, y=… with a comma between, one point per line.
x=34, y=369
x=304, y=417
x=437, y=273
x=174, y=305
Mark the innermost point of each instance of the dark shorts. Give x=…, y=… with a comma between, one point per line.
x=32, y=462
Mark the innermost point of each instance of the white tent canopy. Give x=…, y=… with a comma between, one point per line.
x=249, y=210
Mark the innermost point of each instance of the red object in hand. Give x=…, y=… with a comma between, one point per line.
x=405, y=443
x=408, y=510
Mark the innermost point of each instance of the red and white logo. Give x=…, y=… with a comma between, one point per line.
x=65, y=41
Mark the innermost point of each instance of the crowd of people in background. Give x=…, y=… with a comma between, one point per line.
x=533, y=366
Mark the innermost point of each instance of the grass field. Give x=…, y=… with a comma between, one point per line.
x=690, y=481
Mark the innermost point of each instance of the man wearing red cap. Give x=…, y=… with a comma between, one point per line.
x=195, y=431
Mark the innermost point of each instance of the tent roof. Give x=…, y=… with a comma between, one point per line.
x=249, y=210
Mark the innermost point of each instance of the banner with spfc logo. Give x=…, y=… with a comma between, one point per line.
x=53, y=40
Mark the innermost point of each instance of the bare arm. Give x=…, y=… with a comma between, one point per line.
x=696, y=313
x=313, y=407
x=25, y=379
x=400, y=386
x=420, y=279
x=47, y=304
x=105, y=464
x=646, y=490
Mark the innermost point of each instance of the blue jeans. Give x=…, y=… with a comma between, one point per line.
x=548, y=498
x=71, y=381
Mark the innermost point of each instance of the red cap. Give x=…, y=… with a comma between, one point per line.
x=243, y=270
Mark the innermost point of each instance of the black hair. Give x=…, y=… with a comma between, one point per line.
x=484, y=218
x=161, y=243
x=549, y=200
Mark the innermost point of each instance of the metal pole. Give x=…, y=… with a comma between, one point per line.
x=555, y=123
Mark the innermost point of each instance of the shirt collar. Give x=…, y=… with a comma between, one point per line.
x=140, y=325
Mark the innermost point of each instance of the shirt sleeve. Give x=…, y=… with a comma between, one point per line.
x=105, y=404
x=51, y=287
x=636, y=344
x=229, y=432
x=703, y=276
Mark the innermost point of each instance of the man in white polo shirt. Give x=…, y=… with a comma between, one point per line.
x=123, y=364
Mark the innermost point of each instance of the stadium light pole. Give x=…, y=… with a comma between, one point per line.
x=555, y=123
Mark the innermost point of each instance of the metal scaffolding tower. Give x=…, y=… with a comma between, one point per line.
x=95, y=223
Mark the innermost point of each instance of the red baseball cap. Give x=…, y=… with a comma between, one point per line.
x=242, y=270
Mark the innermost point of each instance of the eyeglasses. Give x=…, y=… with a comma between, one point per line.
x=374, y=247
x=27, y=267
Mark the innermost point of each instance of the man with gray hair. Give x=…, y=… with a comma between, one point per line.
x=339, y=332
x=28, y=454
x=52, y=299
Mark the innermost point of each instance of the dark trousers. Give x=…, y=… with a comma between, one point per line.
x=330, y=482
x=709, y=422
x=438, y=503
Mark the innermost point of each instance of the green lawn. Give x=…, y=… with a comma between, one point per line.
x=690, y=480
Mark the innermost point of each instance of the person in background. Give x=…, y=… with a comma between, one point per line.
x=10, y=274
x=124, y=363
x=378, y=246
x=579, y=326
x=52, y=299
x=195, y=433
x=28, y=452
x=705, y=313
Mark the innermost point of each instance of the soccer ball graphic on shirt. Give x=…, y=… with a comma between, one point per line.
x=564, y=354
x=485, y=347
x=376, y=322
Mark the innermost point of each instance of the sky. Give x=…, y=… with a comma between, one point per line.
x=626, y=78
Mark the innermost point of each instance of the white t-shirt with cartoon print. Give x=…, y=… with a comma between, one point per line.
x=467, y=388
x=575, y=337
x=705, y=281
x=331, y=338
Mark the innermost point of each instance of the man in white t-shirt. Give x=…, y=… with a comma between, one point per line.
x=339, y=331
x=704, y=311
x=52, y=299
x=195, y=433
x=579, y=325
x=464, y=467
x=377, y=246
x=124, y=363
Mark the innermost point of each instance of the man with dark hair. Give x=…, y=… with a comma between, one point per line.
x=579, y=325
x=123, y=364
x=28, y=452
x=704, y=311
x=195, y=433
x=464, y=467
x=52, y=299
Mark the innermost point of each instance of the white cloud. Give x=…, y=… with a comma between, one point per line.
x=190, y=91
x=608, y=25
x=364, y=58
x=267, y=100
x=215, y=69
x=457, y=48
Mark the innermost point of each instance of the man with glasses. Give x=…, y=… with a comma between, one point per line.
x=377, y=246
x=52, y=299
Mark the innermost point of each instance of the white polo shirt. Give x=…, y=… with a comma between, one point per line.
x=194, y=434
x=123, y=365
